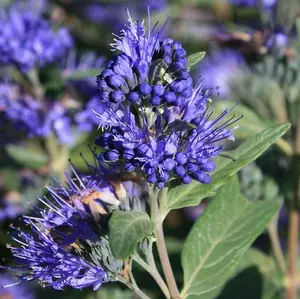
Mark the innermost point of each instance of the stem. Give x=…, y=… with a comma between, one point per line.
x=275, y=243
x=164, y=259
x=152, y=264
x=132, y=287
x=161, y=244
x=152, y=270
x=291, y=290
x=153, y=203
x=157, y=217
x=36, y=84
x=135, y=286
x=58, y=156
x=285, y=147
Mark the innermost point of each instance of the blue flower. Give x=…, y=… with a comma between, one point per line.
x=278, y=39
x=147, y=71
x=220, y=69
x=27, y=40
x=35, y=118
x=86, y=87
x=156, y=122
x=75, y=63
x=86, y=118
x=50, y=253
x=104, y=13
x=67, y=244
x=182, y=149
x=41, y=258
x=10, y=205
x=10, y=288
x=251, y=3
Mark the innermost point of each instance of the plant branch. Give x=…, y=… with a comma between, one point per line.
x=36, y=84
x=161, y=244
x=291, y=290
x=275, y=243
x=152, y=270
x=135, y=287
x=157, y=217
x=151, y=262
x=164, y=259
x=132, y=287
x=58, y=156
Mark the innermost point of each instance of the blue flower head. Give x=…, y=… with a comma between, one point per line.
x=67, y=244
x=147, y=71
x=104, y=12
x=10, y=288
x=252, y=3
x=27, y=40
x=156, y=122
x=35, y=118
x=220, y=69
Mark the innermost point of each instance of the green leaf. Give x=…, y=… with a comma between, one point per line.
x=80, y=74
x=272, y=279
x=10, y=179
x=227, y=165
x=221, y=237
x=298, y=29
x=126, y=229
x=256, y=276
x=250, y=124
x=28, y=154
x=194, y=59
x=110, y=293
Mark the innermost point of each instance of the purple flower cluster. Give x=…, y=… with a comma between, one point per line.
x=86, y=119
x=86, y=88
x=252, y=3
x=67, y=244
x=220, y=69
x=10, y=204
x=32, y=117
x=27, y=40
x=10, y=288
x=278, y=39
x=44, y=260
x=41, y=118
x=101, y=13
x=85, y=63
x=156, y=122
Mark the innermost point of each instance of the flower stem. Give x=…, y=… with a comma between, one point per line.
x=275, y=243
x=36, y=84
x=58, y=156
x=135, y=287
x=152, y=270
x=164, y=259
x=157, y=216
x=152, y=264
x=291, y=289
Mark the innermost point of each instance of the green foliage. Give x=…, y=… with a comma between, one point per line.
x=231, y=162
x=255, y=185
x=10, y=179
x=126, y=230
x=195, y=58
x=110, y=293
x=256, y=276
x=30, y=154
x=250, y=124
x=220, y=238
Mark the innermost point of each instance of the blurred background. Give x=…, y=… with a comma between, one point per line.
x=50, y=54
